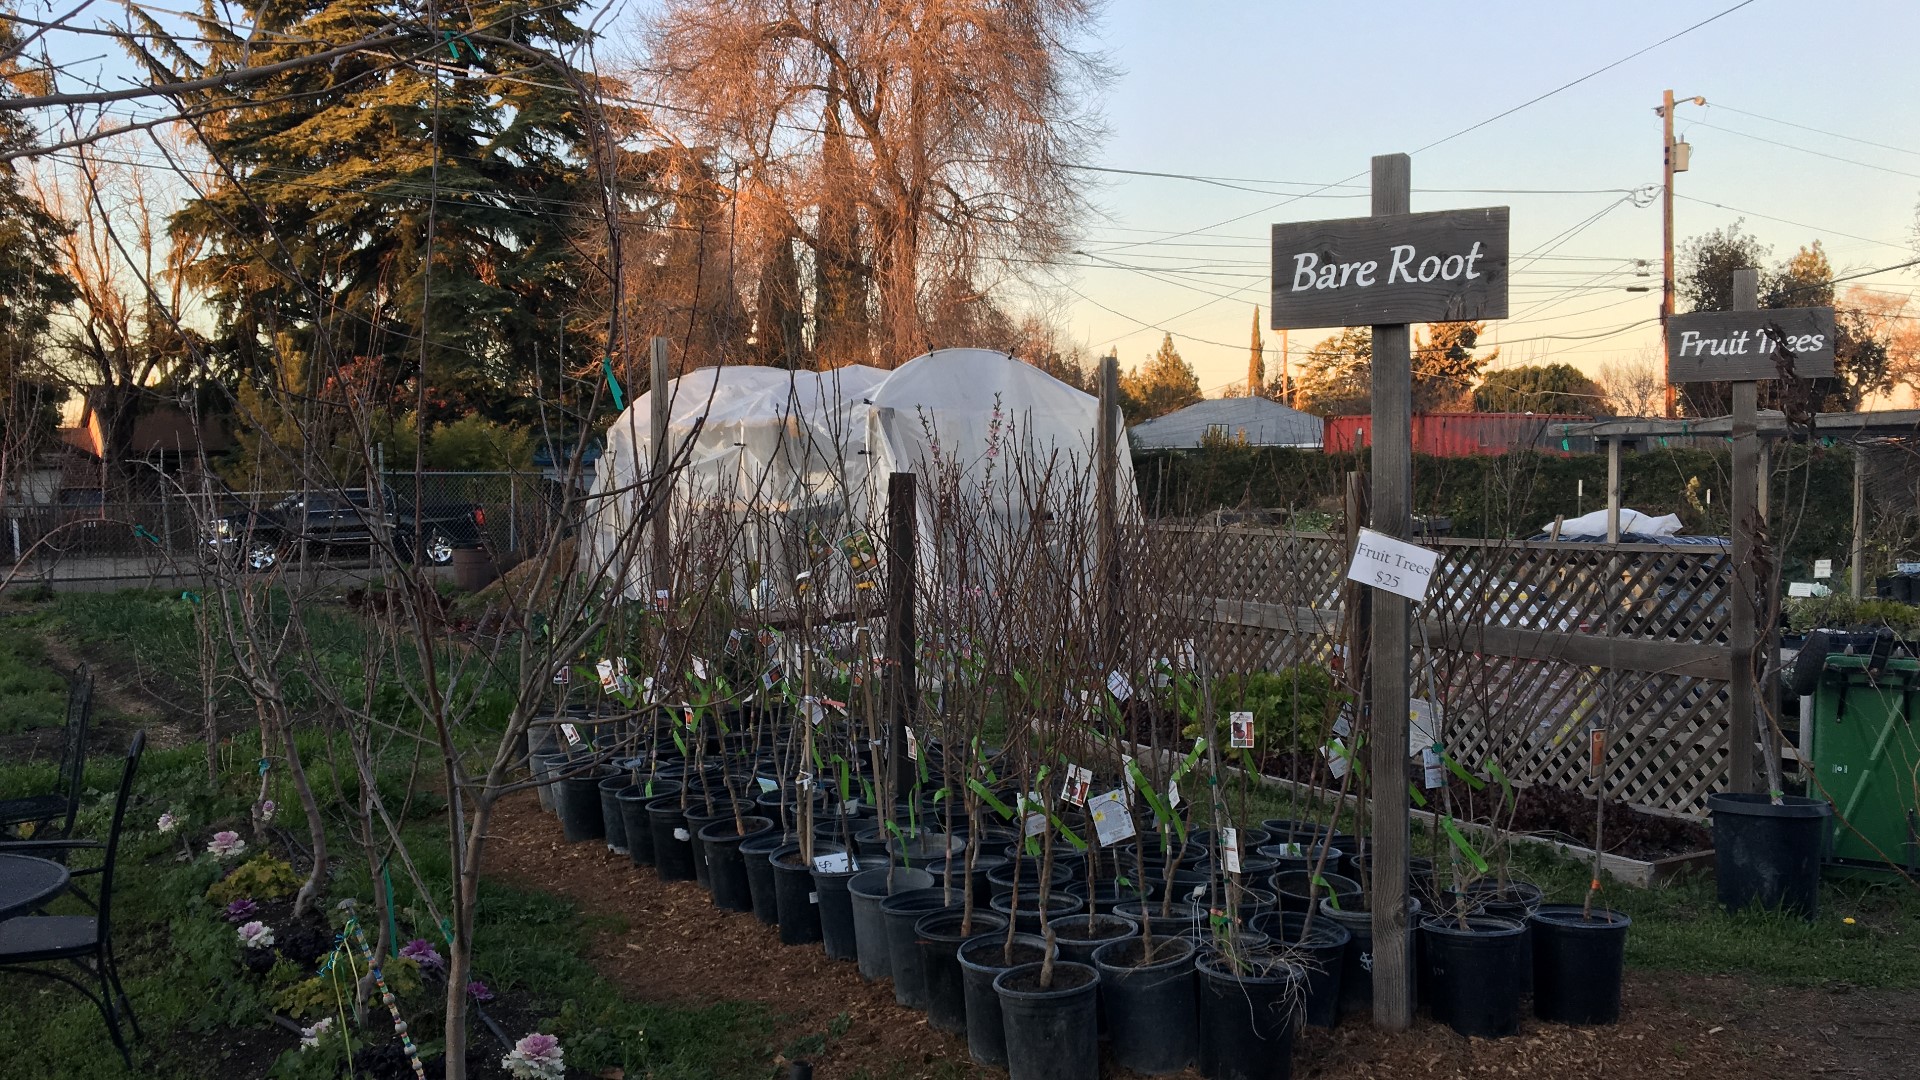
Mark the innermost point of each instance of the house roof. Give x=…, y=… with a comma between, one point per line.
x=1264, y=422
x=161, y=428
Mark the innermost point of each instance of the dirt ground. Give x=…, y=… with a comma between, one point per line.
x=675, y=946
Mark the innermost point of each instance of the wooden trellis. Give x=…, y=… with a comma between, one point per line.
x=1525, y=643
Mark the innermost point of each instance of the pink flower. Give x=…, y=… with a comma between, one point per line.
x=226, y=844
x=256, y=935
x=478, y=991
x=537, y=1057
x=168, y=822
x=422, y=952
x=241, y=910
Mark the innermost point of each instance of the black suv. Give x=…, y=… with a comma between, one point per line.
x=324, y=521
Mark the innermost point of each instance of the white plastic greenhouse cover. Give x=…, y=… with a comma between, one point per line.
x=822, y=444
x=766, y=436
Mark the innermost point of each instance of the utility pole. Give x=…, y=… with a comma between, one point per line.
x=1669, y=165
x=1286, y=372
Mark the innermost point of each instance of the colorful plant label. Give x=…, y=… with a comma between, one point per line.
x=1240, y=730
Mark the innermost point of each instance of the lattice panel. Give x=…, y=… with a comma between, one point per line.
x=1669, y=732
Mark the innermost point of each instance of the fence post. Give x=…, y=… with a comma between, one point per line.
x=513, y=513
x=903, y=687
x=1392, y=655
x=1748, y=529
x=1106, y=495
x=660, y=495
x=1857, y=573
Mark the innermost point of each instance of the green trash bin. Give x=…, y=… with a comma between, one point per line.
x=1865, y=757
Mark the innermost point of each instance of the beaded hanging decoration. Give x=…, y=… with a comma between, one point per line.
x=358, y=937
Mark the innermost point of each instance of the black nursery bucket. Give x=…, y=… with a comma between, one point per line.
x=1476, y=973
x=579, y=799
x=613, y=821
x=1051, y=1031
x=865, y=891
x=1769, y=855
x=720, y=841
x=939, y=938
x=1578, y=964
x=794, y=895
x=1321, y=949
x=982, y=959
x=753, y=854
x=901, y=911
x=1149, y=1005
x=1247, y=1017
x=836, y=910
x=672, y=841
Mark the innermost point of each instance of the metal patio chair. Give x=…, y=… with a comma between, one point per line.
x=45, y=944
x=63, y=803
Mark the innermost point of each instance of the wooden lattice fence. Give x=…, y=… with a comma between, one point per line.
x=1525, y=644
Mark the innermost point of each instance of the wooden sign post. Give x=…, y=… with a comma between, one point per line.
x=1744, y=346
x=1387, y=271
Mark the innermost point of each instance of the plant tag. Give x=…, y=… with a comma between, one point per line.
x=1291, y=848
x=1126, y=776
x=1596, y=753
x=1230, y=849
x=572, y=733
x=771, y=677
x=682, y=834
x=662, y=599
x=804, y=781
x=803, y=583
x=1423, y=725
x=1119, y=686
x=1111, y=821
x=1163, y=674
x=605, y=670
x=562, y=675
x=1173, y=793
x=1240, y=730
x=1079, y=780
x=1434, y=771
x=1186, y=653
x=1336, y=755
x=812, y=708
x=733, y=642
x=837, y=863
x=913, y=744
x=699, y=669
x=850, y=808
x=1343, y=723
x=813, y=898
x=689, y=717
x=1035, y=824
x=766, y=784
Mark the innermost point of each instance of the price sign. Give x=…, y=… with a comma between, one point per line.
x=1393, y=566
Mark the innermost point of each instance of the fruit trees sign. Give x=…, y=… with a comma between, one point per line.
x=1743, y=346
x=1446, y=266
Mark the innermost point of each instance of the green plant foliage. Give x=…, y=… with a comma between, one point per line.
x=35, y=695
x=1845, y=613
x=1292, y=709
x=263, y=877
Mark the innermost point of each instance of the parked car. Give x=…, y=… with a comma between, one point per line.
x=343, y=521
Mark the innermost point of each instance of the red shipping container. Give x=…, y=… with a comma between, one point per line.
x=1464, y=434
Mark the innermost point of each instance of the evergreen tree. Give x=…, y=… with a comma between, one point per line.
x=1540, y=388
x=1161, y=385
x=1256, y=360
x=32, y=281
x=1337, y=374
x=1446, y=365
x=335, y=179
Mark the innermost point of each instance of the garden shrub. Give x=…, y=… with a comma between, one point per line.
x=263, y=877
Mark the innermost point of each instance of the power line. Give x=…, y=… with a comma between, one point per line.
x=1815, y=130
x=1787, y=221
x=1805, y=150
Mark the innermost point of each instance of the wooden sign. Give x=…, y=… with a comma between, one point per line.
x=1736, y=346
x=1446, y=266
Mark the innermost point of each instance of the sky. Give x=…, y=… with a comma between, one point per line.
x=1809, y=132
x=1299, y=95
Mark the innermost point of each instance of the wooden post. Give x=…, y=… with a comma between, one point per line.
x=1106, y=496
x=1613, y=491
x=661, y=494
x=1857, y=573
x=1391, y=656
x=1742, y=691
x=903, y=690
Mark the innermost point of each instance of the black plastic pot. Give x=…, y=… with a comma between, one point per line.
x=1104, y=896
x=1292, y=830
x=1148, y=1006
x=546, y=767
x=1513, y=899
x=836, y=911
x=982, y=959
x=938, y=937
x=700, y=814
x=1767, y=855
x=1356, y=965
x=865, y=890
x=1420, y=877
x=1321, y=949
x=1024, y=908
x=1286, y=858
x=726, y=864
x=1052, y=1031
x=1296, y=889
x=542, y=740
x=798, y=905
x=1247, y=1018
x=926, y=849
x=1081, y=935
x=632, y=804
x=579, y=800
x=979, y=886
x=615, y=824
x=1180, y=916
x=672, y=840
x=1577, y=964
x=753, y=856
x=1475, y=973
x=1184, y=884
x=900, y=911
x=1252, y=903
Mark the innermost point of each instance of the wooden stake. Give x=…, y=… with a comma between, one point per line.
x=662, y=501
x=902, y=688
x=1742, y=691
x=1392, y=490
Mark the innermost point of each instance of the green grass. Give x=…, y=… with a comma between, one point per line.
x=1679, y=926
x=32, y=694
